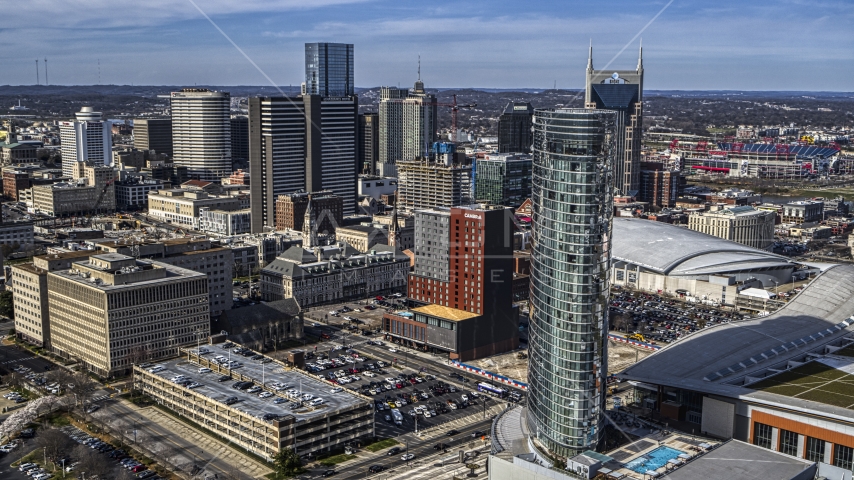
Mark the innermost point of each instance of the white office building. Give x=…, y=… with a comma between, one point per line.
x=87, y=138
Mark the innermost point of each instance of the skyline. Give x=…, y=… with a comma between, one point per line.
x=733, y=47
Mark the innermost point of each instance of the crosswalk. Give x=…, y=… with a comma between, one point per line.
x=17, y=360
x=99, y=398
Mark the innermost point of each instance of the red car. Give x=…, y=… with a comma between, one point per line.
x=138, y=468
x=380, y=298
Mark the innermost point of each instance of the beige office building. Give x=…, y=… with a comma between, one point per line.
x=182, y=207
x=193, y=254
x=745, y=225
x=112, y=310
x=94, y=191
x=29, y=293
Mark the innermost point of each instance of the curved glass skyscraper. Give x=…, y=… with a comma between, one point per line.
x=573, y=197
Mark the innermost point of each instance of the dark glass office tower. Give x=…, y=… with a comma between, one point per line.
x=622, y=92
x=514, y=128
x=574, y=151
x=329, y=69
x=368, y=140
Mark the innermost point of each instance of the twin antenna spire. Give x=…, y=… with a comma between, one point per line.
x=590, y=56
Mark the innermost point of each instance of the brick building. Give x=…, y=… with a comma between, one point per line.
x=290, y=210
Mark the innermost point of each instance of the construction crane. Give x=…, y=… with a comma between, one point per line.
x=455, y=107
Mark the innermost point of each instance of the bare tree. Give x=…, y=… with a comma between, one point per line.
x=54, y=443
x=92, y=462
x=61, y=376
x=13, y=379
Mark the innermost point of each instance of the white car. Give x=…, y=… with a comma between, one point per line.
x=265, y=394
x=307, y=397
x=392, y=350
x=204, y=370
x=316, y=402
x=336, y=390
x=369, y=374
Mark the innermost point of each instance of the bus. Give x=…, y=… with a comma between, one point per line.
x=492, y=390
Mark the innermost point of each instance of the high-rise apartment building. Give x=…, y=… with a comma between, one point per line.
x=111, y=311
x=574, y=153
x=514, y=128
x=201, y=132
x=153, y=134
x=658, y=186
x=426, y=184
x=408, y=123
x=329, y=69
x=622, y=92
x=306, y=144
x=368, y=139
x=87, y=138
x=503, y=179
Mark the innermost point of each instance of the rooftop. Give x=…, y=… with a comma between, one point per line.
x=727, y=358
x=446, y=313
x=266, y=373
x=673, y=250
x=735, y=459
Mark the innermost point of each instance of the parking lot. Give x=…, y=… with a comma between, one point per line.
x=663, y=320
x=283, y=392
x=367, y=313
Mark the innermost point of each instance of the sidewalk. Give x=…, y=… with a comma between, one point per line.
x=211, y=446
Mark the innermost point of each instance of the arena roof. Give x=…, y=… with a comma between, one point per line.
x=672, y=250
x=716, y=359
x=801, y=151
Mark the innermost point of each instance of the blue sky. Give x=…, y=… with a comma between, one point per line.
x=774, y=45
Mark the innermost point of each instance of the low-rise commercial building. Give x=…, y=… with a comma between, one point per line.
x=13, y=181
x=224, y=222
x=257, y=424
x=112, y=311
x=18, y=234
x=132, y=194
x=804, y=211
x=334, y=274
x=182, y=207
x=745, y=225
x=362, y=237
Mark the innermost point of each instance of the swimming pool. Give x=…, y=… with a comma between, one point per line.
x=652, y=460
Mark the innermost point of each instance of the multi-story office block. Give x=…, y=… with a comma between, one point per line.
x=153, y=134
x=503, y=179
x=574, y=152
x=112, y=310
x=408, y=124
x=368, y=139
x=462, y=284
x=16, y=234
x=300, y=144
x=329, y=69
x=201, y=132
x=132, y=193
x=426, y=184
x=215, y=261
x=29, y=293
x=514, y=128
x=240, y=140
x=182, y=207
x=622, y=92
x=329, y=211
x=96, y=194
x=87, y=138
x=745, y=225
x=224, y=222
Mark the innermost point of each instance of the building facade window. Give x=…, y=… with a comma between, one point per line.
x=788, y=442
x=815, y=449
x=762, y=435
x=843, y=457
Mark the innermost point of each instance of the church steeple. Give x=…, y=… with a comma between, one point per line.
x=393, y=231
x=309, y=229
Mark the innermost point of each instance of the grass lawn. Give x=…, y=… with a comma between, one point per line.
x=814, y=381
x=336, y=459
x=381, y=444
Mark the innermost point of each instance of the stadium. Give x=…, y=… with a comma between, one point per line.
x=763, y=160
x=664, y=258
